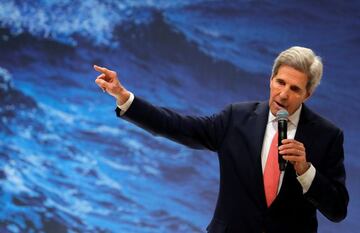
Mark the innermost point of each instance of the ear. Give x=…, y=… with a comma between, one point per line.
x=307, y=96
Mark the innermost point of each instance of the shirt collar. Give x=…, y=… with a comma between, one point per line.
x=293, y=119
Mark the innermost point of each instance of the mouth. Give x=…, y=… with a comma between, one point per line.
x=279, y=105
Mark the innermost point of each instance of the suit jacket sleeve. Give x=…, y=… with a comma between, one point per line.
x=327, y=191
x=195, y=132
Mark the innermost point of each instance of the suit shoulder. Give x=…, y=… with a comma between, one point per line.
x=246, y=106
x=322, y=122
x=242, y=111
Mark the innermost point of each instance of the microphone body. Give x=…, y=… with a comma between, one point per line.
x=282, y=118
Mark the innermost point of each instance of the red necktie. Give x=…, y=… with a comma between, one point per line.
x=272, y=172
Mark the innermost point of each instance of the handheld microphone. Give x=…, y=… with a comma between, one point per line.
x=282, y=118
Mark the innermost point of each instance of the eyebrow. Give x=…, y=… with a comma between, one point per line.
x=293, y=87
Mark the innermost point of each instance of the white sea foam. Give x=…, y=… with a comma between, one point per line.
x=62, y=21
x=63, y=116
x=5, y=80
x=14, y=182
x=108, y=130
x=121, y=167
x=107, y=181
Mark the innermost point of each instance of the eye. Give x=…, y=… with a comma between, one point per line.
x=280, y=81
x=295, y=89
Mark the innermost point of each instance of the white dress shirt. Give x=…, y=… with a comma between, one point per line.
x=305, y=179
x=271, y=129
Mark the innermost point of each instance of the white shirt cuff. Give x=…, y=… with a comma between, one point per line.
x=307, y=178
x=124, y=107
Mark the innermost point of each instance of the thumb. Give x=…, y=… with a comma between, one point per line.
x=102, y=83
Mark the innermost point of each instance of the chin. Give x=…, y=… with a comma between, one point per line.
x=275, y=108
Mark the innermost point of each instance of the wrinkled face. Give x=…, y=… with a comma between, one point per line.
x=287, y=90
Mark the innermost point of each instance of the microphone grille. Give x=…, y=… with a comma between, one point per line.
x=282, y=114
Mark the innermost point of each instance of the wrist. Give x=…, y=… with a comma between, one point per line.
x=123, y=96
x=302, y=168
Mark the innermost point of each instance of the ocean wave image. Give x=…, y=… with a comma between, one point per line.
x=68, y=164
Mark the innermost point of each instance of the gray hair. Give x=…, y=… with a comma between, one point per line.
x=303, y=60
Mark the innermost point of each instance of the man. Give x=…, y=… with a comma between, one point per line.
x=254, y=195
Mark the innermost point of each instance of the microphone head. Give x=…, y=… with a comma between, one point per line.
x=282, y=114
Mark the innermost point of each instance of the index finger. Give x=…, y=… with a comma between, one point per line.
x=286, y=141
x=102, y=70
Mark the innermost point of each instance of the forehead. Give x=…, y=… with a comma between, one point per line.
x=292, y=76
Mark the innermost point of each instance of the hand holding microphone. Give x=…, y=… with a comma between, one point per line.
x=290, y=149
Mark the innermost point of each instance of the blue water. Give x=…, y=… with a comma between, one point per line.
x=67, y=164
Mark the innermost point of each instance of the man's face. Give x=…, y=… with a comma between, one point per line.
x=287, y=90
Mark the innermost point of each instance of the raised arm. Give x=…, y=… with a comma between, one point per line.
x=193, y=131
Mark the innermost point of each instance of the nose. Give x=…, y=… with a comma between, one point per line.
x=284, y=93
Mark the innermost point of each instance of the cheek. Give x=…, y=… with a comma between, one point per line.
x=272, y=88
x=274, y=91
x=295, y=101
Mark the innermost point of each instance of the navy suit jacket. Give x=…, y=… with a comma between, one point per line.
x=236, y=134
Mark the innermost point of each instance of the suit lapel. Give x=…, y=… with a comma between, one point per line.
x=257, y=122
x=304, y=133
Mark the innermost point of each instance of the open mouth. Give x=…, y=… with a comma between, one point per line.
x=280, y=105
